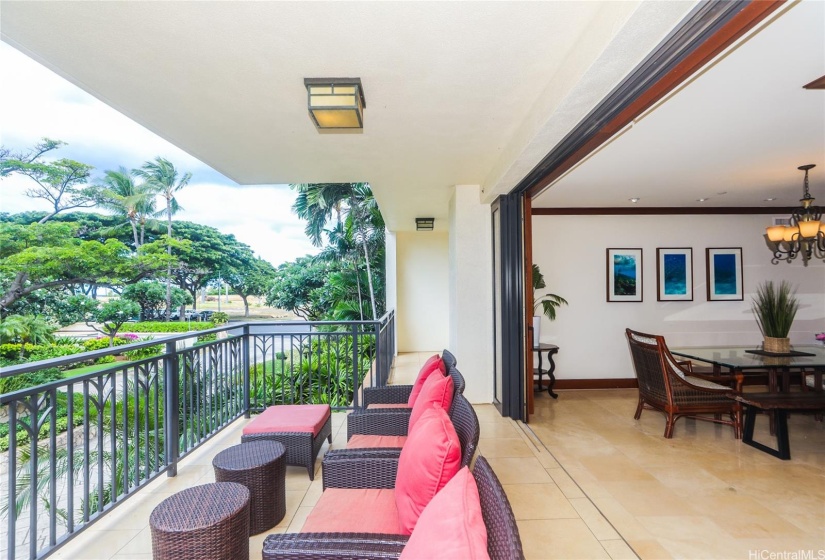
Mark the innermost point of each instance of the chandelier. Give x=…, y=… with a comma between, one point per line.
x=806, y=234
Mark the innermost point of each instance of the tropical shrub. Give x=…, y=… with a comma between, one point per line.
x=219, y=318
x=142, y=353
x=101, y=343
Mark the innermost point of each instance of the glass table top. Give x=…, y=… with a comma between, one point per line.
x=736, y=357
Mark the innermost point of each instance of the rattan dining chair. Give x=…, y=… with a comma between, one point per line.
x=668, y=387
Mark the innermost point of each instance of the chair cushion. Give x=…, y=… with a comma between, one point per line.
x=387, y=405
x=451, y=526
x=354, y=510
x=437, y=390
x=290, y=418
x=364, y=441
x=432, y=365
x=429, y=459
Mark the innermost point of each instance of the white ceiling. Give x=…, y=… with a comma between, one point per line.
x=741, y=128
x=456, y=92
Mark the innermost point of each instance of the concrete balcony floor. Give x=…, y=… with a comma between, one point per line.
x=585, y=480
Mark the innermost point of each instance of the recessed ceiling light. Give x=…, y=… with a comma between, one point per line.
x=770, y=199
x=634, y=200
x=701, y=199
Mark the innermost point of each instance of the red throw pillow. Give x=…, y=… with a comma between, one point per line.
x=451, y=526
x=437, y=390
x=429, y=459
x=432, y=365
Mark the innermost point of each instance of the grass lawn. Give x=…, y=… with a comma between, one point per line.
x=88, y=369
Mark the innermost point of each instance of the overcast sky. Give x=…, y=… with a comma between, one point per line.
x=37, y=103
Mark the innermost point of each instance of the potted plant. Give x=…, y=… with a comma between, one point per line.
x=548, y=302
x=775, y=307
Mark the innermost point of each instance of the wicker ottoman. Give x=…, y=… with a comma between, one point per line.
x=207, y=521
x=261, y=467
x=302, y=429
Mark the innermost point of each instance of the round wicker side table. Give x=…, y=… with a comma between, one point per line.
x=207, y=521
x=261, y=467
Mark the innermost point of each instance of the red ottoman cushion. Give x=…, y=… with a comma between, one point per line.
x=290, y=418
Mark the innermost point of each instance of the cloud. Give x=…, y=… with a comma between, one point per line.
x=35, y=103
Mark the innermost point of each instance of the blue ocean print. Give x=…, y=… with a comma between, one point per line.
x=675, y=275
x=724, y=275
x=624, y=275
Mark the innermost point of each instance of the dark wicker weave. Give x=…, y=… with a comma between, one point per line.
x=342, y=468
x=503, y=540
x=388, y=423
x=301, y=447
x=391, y=394
x=344, y=546
x=361, y=468
x=261, y=467
x=207, y=521
x=667, y=386
x=399, y=394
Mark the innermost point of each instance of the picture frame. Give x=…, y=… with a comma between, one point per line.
x=724, y=273
x=674, y=274
x=624, y=275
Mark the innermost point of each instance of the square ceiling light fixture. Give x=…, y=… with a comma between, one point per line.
x=336, y=102
x=424, y=224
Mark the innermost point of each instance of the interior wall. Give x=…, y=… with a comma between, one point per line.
x=422, y=272
x=571, y=252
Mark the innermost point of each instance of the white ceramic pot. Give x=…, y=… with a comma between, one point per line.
x=536, y=330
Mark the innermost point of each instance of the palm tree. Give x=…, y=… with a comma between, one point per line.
x=133, y=202
x=163, y=179
x=316, y=203
x=28, y=329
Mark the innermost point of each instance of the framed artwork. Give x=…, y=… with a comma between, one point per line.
x=624, y=275
x=674, y=274
x=724, y=270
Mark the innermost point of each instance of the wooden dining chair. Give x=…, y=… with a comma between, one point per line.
x=668, y=387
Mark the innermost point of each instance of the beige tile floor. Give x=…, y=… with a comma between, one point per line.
x=585, y=481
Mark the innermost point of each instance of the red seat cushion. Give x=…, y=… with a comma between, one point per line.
x=290, y=418
x=432, y=365
x=354, y=510
x=363, y=441
x=429, y=459
x=451, y=526
x=437, y=390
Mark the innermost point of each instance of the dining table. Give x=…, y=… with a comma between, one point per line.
x=743, y=361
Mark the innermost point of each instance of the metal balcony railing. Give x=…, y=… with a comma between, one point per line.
x=80, y=446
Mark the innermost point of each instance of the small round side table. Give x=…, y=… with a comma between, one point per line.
x=261, y=467
x=207, y=521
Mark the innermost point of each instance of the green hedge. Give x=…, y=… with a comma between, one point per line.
x=170, y=327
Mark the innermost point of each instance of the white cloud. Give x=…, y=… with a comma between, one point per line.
x=37, y=103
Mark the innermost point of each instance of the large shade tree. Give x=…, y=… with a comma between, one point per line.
x=250, y=277
x=61, y=183
x=47, y=256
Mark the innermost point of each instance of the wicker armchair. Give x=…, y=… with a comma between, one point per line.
x=668, y=387
x=376, y=468
x=503, y=540
x=393, y=421
x=400, y=394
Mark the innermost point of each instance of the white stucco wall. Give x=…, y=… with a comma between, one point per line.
x=571, y=251
x=422, y=311
x=391, y=274
x=471, y=335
